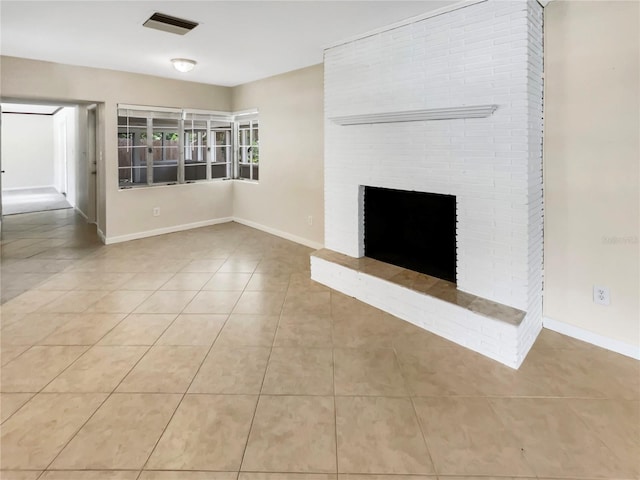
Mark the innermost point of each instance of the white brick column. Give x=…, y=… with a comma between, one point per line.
x=486, y=53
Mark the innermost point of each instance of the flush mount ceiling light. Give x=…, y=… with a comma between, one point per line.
x=183, y=65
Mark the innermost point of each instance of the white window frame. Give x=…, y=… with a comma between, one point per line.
x=228, y=146
x=243, y=149
x=188, y=127
x=131, y=145
x=184, y=116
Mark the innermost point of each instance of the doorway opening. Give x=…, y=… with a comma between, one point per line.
x=48, y=156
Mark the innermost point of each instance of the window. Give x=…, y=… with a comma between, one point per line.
x=248, y=150
x=165, y=149
x=148, y=147
x=195, y=150
x=132, y=151
x=222, y=150
x=166, y=145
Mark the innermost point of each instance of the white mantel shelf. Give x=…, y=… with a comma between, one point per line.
x=451, y=113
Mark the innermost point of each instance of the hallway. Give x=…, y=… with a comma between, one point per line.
x=32, y=200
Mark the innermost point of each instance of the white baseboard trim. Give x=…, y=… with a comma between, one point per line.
x=82, y=214
x=34, y=187
x=206, y=223
x=103, y=239
x=162, y=231
x=279, y=233
x=617, y=346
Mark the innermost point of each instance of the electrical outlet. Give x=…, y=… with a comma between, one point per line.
x=310, y=220
x=601, y=295
x=156, y=211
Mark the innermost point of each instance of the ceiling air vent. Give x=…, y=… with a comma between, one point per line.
x=170, y=24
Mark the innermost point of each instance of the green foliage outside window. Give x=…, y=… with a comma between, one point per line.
x=254, y=152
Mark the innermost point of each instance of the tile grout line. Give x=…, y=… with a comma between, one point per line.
x=511, y=433
x=342, y=395
x=415, y=410
x=21, y=406
x=424, y=436
x=81, y=355
x=76, y=433
x=65, y=345
x=82, y=345
x=109, y=395
x=589, y=428
x=264, y=376
x=41, y=391
x=142, y=469
x=335, y=404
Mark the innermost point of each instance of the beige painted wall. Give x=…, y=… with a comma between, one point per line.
x=592, y=165
x=291, y=155
x=126, y=212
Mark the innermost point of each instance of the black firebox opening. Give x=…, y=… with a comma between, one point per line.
x=414, y=230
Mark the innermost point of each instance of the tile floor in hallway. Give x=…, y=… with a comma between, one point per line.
x=210, y=355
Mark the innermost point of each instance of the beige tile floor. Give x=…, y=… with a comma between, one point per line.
x=210, y=355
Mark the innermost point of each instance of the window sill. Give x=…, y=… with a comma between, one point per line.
x=172, y=184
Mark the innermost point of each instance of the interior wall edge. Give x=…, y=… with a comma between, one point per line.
x=279, y=233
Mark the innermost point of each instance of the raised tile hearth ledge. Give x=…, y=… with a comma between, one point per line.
x=425, y=284
x=493, y=330
x=449, y=113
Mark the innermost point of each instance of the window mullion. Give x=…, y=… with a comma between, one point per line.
x=228, y=152
x=209, y=151
x=235, y=140
x=249, y=152
x=149, y=151
x=181, y=146
x=133, y=137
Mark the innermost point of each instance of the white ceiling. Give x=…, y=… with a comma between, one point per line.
x=26, y=108
x=236, y=41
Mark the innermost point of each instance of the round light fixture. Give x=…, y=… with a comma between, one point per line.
x=183, y=65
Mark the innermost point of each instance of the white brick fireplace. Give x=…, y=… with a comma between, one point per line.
x=485, y=54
